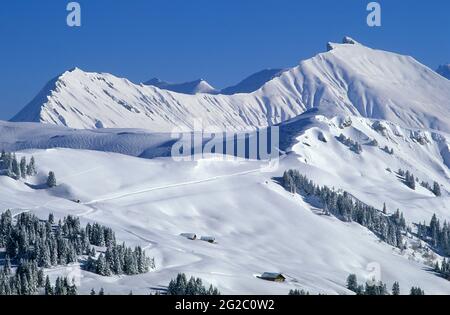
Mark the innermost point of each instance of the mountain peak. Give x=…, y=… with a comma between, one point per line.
x=349, y=40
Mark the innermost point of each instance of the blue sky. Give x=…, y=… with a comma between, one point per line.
x=221, y=41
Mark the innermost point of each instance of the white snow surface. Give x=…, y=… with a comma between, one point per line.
x=349, y=79
x=151, y=202
x=259, y=227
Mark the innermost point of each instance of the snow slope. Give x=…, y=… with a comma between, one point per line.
x=259, y=226
x=348, y=79
x=424, y=153
x=372, y=175
x=150, y=202
x=253, y=82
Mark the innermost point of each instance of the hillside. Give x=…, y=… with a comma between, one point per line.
x=152, y=208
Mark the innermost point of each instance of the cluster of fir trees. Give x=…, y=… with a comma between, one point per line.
x=101, y=292
x=389, y=228
x=436, y=235
x=27, y=279
x=436, y=189
x=298, y=292
x=353, y=145
x=181, y=286
x=408, y=178
x=118, y=260
x=443, y=268
x=378, y=288
x=48, y=244
x=42, y=241
x=10, y=166
x=388, y=150
x=62, y=287
x=375, y=288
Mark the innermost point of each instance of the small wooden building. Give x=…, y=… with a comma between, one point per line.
x=209, y=239
x=189, y=236
x=273, y=276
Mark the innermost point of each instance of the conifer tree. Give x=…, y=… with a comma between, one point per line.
x=48, y=286
x=15, y=167
x=23, y=167
x=437, y=189
x=51, y=180
x=396, y=289
x=352, y=283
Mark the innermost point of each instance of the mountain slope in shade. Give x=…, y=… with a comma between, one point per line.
x=348, y=79
x=444, y=71
x=192, y=88
x=253, y=82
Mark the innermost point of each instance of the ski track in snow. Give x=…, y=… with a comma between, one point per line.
x=188, y=183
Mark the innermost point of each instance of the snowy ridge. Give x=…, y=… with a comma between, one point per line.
x=348, y=79
x=195, y=87
x=253, y=82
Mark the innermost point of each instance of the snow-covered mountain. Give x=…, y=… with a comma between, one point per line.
x=253, y=82
x=392, y=109
x=199, y=86
x=348, y=79
x=444, y=71
x=248, y=85
x=151, y=202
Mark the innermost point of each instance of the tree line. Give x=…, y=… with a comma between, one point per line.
x=377, y=288
x=389, y=228
x=410, y=180
x=31, y=243
x=12, y=167
x=120, y=260
x=193, y=286
x=353, y=145
x=437, y=235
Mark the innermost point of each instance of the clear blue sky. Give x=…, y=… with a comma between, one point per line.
x=221, y=41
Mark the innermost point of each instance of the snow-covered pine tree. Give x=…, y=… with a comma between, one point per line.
x=437, y=189
x=15, y=168
x=51, y=179
x=396, y=289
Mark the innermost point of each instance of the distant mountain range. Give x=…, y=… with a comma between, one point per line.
x=347, y=79
x=248, y=85
x=194, y=87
